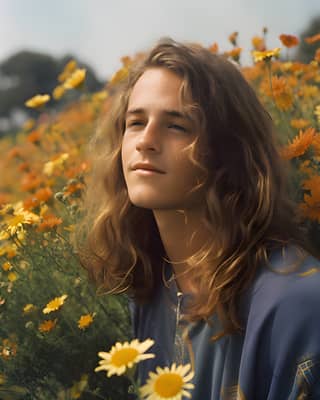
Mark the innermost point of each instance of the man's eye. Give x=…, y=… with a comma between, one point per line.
x=178, y=127
x=134, y=123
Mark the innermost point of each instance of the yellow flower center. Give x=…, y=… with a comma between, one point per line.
x=168, y=385
x=124, y=356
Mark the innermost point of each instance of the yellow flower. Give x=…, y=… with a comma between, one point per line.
x=76, y=79
x=168, y=383
x=85, y=321
x=265, y=55
x=8, y=249
x=299, y=123
x=28, y=308
x=78, y=387
x=50, y=166
x=19, y=218
x=58, y=92
x=317, y=112
x=37, y=101
x=47, y=325
x=119, y=76
x=54, y=304
x=12, y=276
x=67, y=71
x=100, y=96
x=3, y=379
x=6, y=266
x=124, y=356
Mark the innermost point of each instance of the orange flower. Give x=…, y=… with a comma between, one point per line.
x=234, y=53
x=289, y=40
x=30, y=181
x=15, y=152
x=312, y=39
x=85, y=321
x=317, y=55
x=49, y=221
x=258, y=43
x=8, y=349
x=6, y=266
x=47, y=325
x=299, y=144
x=299, y=123
x=311, y=206
x=214, y=48
x=306, y=168
x=43, y=194
x=24, y=167
x=34, y=137
x=233, y=38
x=76, y=187
x=279, y=90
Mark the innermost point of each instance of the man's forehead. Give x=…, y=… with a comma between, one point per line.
x=166, y=112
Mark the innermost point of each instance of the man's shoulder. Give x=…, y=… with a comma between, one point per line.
x=290, y=278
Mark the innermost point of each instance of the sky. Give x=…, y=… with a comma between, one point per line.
x=100, y=32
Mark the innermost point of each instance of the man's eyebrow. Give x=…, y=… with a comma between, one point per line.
x=170, y=113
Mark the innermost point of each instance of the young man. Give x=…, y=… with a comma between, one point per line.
x=192, y=220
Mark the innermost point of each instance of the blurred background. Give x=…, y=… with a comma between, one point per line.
x=38, y=37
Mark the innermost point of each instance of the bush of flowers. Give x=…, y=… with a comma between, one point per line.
x=53, y=321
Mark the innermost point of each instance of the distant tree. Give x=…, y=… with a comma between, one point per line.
x=305, y=51
x=28, y=73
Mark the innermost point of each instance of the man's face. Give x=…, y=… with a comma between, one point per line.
x=157, y=133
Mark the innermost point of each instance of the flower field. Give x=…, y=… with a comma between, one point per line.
x=53, y=321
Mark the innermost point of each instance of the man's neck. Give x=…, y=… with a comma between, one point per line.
x=183, y=233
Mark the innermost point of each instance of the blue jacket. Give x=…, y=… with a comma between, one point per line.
x=277, y=357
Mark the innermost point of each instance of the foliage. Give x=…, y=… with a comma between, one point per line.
x=25, y=73
x=53, y=322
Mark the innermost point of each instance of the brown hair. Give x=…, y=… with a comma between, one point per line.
x=247, y=206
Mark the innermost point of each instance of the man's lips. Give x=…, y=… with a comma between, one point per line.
x=147, y=167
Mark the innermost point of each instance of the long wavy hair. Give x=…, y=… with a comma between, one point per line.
x=246, y=190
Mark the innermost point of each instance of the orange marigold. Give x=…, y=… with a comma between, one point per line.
x=279, y=90
x=312, y=39
x=234, y=53
x=299, y=144
x=258, y=43
x=311, y=205
x=85, y=321
x=8, y=349
x=317, y=55
x=43, y=194
x=30, y=181
x=233, y=38
x=214, y=48
x=47, y=325
x=34, y=137
x=48, y=222
x=289, y=40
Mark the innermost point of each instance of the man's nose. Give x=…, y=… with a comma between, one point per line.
x=149, y=138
